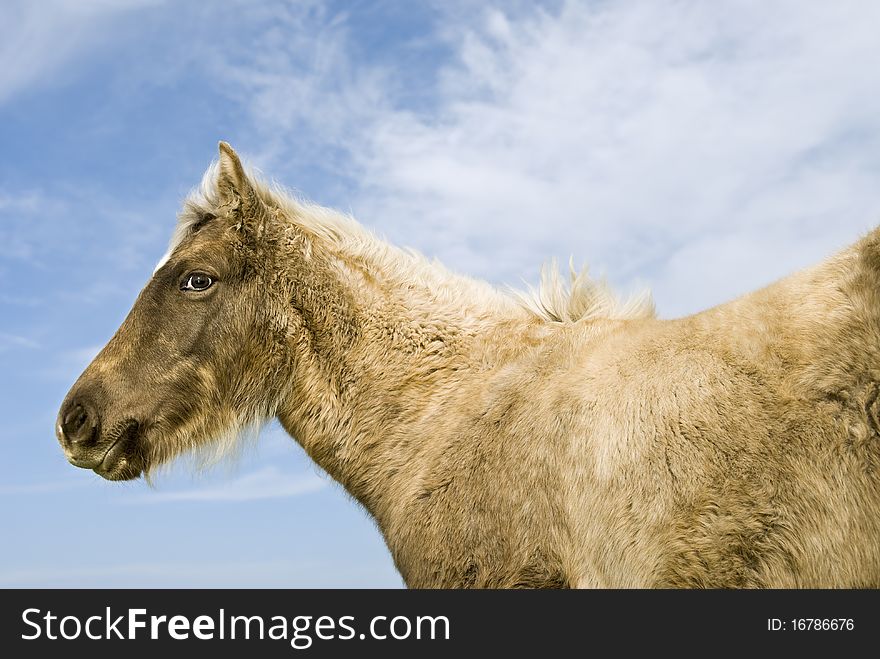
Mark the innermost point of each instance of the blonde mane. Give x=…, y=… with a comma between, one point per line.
x=581, y=297
x=555, y=299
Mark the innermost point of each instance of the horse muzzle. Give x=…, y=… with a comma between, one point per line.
x=110, y=449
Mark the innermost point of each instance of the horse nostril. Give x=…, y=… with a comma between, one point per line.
x=78, y=423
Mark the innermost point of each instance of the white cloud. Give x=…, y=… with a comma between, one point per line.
x=14, y=342
x=43, y=488
x=38, y=40
x=266, y=483
x=305, y=92
x=705, y=147
x=201, y=574
x=635, y=133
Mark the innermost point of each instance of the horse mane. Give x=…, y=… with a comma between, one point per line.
x=580, y=298
x=556, y=299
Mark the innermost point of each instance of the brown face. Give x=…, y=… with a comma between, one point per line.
x=191, y=361
x=158, y=376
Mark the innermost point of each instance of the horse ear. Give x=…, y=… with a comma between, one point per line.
x=234, y=187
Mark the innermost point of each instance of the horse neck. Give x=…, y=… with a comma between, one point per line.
x=379, y=340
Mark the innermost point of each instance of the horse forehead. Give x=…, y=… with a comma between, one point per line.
x=208, y=240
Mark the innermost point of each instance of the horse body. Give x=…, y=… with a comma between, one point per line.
x=707, y=451
x=569, y=441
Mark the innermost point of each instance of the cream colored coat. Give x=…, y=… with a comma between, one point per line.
x=562, y=439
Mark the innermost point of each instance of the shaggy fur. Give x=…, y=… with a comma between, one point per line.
x=559, y=439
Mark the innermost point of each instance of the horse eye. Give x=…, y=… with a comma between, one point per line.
x=197, y=281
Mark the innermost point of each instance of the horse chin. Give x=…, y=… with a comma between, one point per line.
x=124, y=460
x=123, y=470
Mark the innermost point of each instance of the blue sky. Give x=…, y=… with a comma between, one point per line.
x=702, y=149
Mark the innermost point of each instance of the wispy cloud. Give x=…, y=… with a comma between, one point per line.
x=39, y=38
x=638, y=133
x=305, y=91
x=266, y=483
x=44, y=488
x=194, y=574
x=709, y=148
x=12, y=341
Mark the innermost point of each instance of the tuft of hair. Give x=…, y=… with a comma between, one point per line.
x=580, y=297
x=224, y=448
x=201, y=197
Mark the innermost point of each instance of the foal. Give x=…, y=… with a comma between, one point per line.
x=557, y=440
